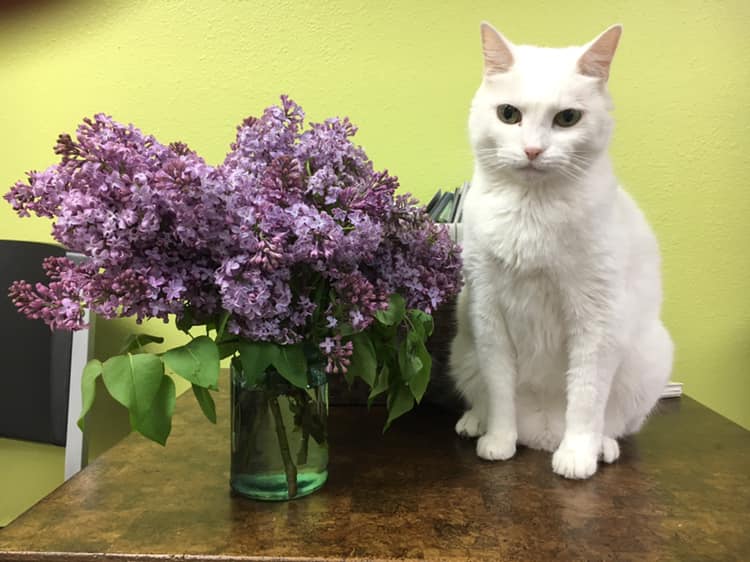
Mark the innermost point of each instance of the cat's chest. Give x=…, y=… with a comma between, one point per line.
x=523, y=235
x=532, y=306
x=521, y=252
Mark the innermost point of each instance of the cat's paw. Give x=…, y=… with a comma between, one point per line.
x=469, y=425
x=610, y=450
x=497, y=446
x=577, y=456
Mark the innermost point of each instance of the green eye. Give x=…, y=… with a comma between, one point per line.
x=508, y=114
x=568, y=117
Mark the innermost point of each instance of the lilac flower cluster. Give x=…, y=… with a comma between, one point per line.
x=294, y=235
x=114, y=198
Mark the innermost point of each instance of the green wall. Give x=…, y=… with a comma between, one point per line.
x=405, y=73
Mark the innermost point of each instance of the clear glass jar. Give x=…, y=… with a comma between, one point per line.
x=279, y=435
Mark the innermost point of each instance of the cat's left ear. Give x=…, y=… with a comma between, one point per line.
x=598, y=55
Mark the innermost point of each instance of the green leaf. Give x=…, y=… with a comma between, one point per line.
x=292, y=364
x=415, y=340
x=185, y=321
x=135, y=342
x=206, y=402
x=400, y=401
x=91, y=372
x=405, y=364
x=395, y=311
x=156, y=424
x=415, y=363
x=421, y=378
x=349, y=376
x=385, y=344
x=364, y=362
x=423, y=320
x=380, y=386
x=256, y=357
x=346, y=329
x=197, y=362
x=133, y=380
x=226, y=349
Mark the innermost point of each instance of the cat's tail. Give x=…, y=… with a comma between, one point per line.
x=463, y=365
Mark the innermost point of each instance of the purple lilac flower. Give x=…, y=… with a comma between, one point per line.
x=116, y=196
x=294, y=220
x=338, y=354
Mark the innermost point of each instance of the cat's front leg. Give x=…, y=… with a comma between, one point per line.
x=497, y=367
x=591, y=368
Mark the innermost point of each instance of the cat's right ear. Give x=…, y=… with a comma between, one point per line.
x=498, y=53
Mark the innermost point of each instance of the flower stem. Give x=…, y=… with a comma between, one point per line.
x=304, y=446
x=286, y=456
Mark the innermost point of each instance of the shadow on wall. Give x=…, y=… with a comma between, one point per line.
x=77, y=15
x=107, y=421
x=19, y=9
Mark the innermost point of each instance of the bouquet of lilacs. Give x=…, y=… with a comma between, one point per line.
x=294, y=251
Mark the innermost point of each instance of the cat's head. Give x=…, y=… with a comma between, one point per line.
x=542, y=114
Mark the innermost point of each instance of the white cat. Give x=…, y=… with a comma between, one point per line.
x=559, y=345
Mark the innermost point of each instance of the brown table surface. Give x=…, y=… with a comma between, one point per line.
x=680, y=491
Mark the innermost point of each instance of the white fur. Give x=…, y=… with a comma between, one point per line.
x=560, y=345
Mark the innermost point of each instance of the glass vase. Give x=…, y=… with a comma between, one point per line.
x=279, y=435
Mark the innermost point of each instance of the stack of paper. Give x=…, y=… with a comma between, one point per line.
x=672, y=390
x=448, y=206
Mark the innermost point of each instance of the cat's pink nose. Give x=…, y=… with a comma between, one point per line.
x=532, y=153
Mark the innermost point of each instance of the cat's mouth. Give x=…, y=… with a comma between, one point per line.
x=530, y=168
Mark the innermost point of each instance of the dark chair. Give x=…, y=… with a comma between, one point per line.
x=35, y=372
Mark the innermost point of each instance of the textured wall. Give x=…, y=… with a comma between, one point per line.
x=405, y=72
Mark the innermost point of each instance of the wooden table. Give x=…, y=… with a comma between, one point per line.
x=680, y=491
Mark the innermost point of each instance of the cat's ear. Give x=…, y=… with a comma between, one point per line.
x=498, y=51
x=598, y=55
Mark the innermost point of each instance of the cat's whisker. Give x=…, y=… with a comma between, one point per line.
x=583, y=160
x=577, y=166
x=492, y=161
x=570, y=175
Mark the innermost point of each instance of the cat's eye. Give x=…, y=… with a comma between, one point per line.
x=508, y=114
x=567, y=117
